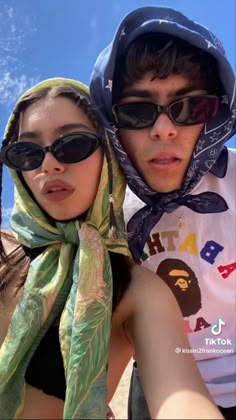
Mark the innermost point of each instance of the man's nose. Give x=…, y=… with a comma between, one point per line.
x=163, y=129
x=51, y=165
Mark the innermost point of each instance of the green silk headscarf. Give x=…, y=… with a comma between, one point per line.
x=70, y=280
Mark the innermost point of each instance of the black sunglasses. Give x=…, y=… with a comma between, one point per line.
x=189, y=110
x=69, y=148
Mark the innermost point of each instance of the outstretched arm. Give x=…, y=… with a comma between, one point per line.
x=171, y=381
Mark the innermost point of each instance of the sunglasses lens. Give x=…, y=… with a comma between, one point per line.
x=73, y=148
x=194, y=110
x=134, y=116
x=23, y=156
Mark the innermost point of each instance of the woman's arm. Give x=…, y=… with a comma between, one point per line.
x=8, y=301
x=170, y=379
x=13, y=272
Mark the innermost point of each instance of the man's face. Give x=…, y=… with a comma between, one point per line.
x=161, y=153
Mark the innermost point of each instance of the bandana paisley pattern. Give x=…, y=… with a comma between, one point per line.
x=209, y=153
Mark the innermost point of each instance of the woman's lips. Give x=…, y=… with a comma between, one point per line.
x=57, y=190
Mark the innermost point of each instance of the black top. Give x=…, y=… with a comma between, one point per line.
x=45, y=370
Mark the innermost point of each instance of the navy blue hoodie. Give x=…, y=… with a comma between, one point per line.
x=209, y=153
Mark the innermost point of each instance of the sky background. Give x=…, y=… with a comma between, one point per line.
x=40, y=39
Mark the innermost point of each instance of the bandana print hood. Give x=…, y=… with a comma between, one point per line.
x=209, y=153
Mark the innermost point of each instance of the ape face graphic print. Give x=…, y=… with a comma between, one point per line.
x=183, y=283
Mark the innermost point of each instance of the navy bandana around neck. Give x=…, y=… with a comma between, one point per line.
x=209, y=153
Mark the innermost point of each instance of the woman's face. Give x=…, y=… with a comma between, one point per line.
x=62, y=190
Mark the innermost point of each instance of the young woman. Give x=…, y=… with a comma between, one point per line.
x=82, y=309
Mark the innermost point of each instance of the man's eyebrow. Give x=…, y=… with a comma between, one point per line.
x=135, y=93
x=139, y=93
x=187, y=89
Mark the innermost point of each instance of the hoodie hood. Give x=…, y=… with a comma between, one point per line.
x=163, y=20
x=209, y=153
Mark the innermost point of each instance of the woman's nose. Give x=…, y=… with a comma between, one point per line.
x=163, y=129
x=50, y=164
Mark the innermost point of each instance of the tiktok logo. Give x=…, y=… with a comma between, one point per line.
x=216, y=329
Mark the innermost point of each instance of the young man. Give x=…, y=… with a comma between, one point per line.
x=166, y=89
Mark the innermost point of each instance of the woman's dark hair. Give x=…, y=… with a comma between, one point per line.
x=16, y=264
x=73, y=93
x=162, y=55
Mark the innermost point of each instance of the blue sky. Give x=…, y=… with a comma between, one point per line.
x=49, y=38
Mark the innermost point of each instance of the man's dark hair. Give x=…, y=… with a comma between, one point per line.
x=163, y=55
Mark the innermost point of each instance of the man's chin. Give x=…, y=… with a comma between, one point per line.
x=163, y=184
x=165, y=189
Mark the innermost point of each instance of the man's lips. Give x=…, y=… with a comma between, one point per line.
x=164, y=161
x=57, y=190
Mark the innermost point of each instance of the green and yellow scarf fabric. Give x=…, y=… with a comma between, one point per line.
x=71, y=280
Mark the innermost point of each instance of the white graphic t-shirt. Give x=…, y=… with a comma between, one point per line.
x=195, y=255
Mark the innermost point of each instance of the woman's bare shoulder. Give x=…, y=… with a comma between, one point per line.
x=8, y=302
x=9, y=279
x=9, y=241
